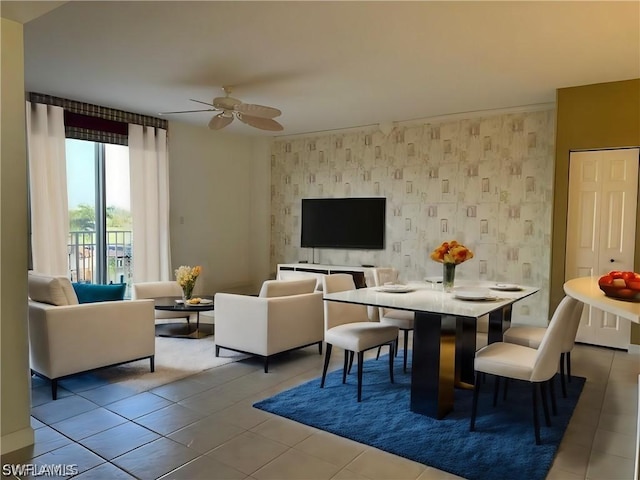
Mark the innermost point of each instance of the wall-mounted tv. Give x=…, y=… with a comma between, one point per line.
x=343, y=223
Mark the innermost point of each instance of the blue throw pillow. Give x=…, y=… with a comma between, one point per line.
x=91, y=292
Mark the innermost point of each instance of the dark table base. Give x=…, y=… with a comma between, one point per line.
x=184, y=330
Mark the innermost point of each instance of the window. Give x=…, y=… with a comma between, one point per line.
x=100, y=226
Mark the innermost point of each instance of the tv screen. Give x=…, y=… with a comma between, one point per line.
x=343, y=223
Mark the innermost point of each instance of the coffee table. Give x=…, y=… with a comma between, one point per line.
x=188, y=329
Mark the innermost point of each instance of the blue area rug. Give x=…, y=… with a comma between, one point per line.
x=502, y=447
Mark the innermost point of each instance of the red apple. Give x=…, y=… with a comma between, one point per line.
x=605, y=280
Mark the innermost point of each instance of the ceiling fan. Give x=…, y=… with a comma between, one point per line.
x=257, y=116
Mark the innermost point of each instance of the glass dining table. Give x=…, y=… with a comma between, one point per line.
x=444, y=335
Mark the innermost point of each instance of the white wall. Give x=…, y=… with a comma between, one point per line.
x=219, y=206
x=15, y=398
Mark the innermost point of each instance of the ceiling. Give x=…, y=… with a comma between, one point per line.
x=326, y=65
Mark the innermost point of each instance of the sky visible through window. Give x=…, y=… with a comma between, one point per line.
x=81, y=174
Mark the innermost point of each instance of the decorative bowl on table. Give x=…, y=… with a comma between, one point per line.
x=621, y=285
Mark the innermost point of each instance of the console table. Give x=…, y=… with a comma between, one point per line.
x=358, y=273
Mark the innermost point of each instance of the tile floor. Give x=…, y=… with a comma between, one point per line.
x=204, y=427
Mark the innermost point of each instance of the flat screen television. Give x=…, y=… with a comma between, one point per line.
x=356, y=222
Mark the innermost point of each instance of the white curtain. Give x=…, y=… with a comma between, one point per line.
x=149, y=177
x=48, y=188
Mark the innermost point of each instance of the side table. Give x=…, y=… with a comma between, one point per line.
x=184, y=330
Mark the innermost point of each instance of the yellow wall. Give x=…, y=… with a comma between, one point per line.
x=603, y=115
x=15, y=422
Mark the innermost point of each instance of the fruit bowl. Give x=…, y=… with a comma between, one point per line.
x=621, y=285
x=621, y=293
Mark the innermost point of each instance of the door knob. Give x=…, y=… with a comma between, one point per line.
x=612, y=260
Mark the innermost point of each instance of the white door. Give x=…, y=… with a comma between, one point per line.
x=601, y=223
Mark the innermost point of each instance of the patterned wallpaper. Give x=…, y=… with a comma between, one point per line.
x=485, y=181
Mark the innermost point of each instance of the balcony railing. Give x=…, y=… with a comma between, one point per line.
x=83, y=264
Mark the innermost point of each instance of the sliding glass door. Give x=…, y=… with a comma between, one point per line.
x=100, y=227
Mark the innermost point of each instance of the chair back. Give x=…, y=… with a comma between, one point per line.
x=572, y=330
x=338, y=313
x=51, y=289
x=382, y=275
x=284, y=288
x=548, y=353
x=155, y=289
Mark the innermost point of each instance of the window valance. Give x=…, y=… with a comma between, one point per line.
x=85, y=121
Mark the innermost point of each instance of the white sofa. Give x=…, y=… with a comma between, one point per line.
x=66, y=338
x=285, y=316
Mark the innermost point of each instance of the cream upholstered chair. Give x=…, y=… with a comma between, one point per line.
x=347, y=326
x=66, y=337
x=161, y=289
x=402, y=319
x=286, y=315
x=537, y=366
x=531, y=336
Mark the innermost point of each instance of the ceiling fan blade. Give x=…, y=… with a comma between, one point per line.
x=257, y=110
x=220, y=121
x=188, y=111
x=204, y=103
x=261, y=123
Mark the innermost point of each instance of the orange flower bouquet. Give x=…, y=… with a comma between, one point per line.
x=186, y=277
x=450, y=254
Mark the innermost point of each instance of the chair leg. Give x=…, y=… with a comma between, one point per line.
x=391, y=356
x=545, y=404
x=536, y=422
x=568, y=357
x=350, y=361
x=360, y=362
x=152, y=363
x=327, y=356
x=320, y=347
x=506, y=388
x=474, y=407
x=54, y=389
x=562, y=375
x=266, y=364
x=217, y=350
x=552, y=394
x=397, y=344
x=496, y=388
x=378, y=354
x=345, y=366
x=406, y=347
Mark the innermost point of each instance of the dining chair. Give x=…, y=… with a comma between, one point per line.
x=518, y=362
x=531, y=336
x=347, y=326
x=402, y=319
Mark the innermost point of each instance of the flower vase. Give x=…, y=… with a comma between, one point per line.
x=448, y=276
x=187, y=292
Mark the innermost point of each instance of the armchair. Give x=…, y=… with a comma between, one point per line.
x=66, y=338
x=286, y=315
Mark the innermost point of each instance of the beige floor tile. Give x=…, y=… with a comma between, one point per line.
x=379, y=465
x=603, y=466
x=206, y=434
x=435, y=474
x=559, y=474
x=331, y=448
x=248, y=452
x=573, y=458
x=345, y=474
x=204, y=468
x=296, y=465
x=284, y=431
x=626, y=424
x=243, y=414
x=615, y=444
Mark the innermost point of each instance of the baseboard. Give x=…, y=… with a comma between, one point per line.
x=17, y=440
x=633, y=348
